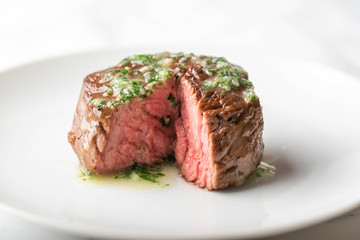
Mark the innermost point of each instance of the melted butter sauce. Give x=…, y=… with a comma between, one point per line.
x=134, y=181
x=171, y=172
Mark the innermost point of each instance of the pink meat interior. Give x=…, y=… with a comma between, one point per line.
x=192, y=147
x=143, y=131
x=138, y=134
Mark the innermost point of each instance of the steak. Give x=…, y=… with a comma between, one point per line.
x=201, y=109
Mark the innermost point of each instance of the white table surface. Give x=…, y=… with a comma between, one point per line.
x=327, y=32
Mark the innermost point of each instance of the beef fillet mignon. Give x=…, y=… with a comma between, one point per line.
x=202, y=109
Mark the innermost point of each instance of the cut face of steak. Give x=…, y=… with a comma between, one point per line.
x=202, y=109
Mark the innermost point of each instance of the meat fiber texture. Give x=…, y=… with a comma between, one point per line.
x=201, y=109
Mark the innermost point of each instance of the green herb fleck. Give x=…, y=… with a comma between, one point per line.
x=172, y=99
x=144, y=59
x=126, y=70
x=264, y=170
x=165, y=121
x=219, y=59
x=164, y=74
x=225, y=71
x=112, y=103
x=208, y=85
x=154, y=78
x=254, y=98
x=147, y=173
x=136, y=87
x=208, y=70
x=126, y=97
x=114, y=71
x=101, y=104
x=86, y=174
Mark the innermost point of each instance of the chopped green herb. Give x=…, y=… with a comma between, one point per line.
x=116, y=177
x=208, y=85
x=126, y=70
x=114, y=71
x=127, y=98
x=86, y=174
x=147, y=173
x=264, y=170
x=126, y=174
x=151, y=177
x=101, y=104
x=246, y=83
x=154, y=78
x=254, y=98
x=136, y=87
x=165, y=121
x=224, y=71
x=219, y=59
x=137, y=72
x=144, y=59
x=208, y=70
x=164, y=74
x=172, y=99
x=112, y=103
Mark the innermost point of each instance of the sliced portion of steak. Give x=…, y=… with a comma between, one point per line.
x=202, y=109
x=219, y=135
x=141, y=131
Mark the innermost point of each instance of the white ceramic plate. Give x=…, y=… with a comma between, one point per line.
x=311, y=135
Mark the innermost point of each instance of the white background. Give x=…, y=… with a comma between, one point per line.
x=327, y=32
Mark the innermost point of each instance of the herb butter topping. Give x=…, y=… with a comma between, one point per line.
x=136, y=77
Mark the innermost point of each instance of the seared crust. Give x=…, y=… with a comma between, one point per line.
x=88, y=142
